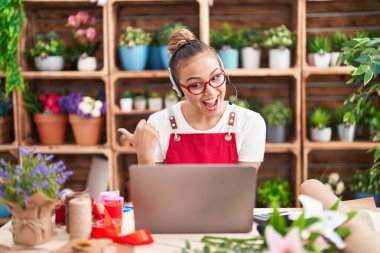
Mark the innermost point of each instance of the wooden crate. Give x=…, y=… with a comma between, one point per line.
x=14, y=135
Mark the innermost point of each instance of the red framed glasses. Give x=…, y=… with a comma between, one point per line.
x=199, y=87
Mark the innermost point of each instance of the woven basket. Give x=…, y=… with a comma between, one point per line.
x=5, y=129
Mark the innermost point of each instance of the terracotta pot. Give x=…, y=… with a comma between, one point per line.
x=86, y=130
x=51, y=128
x=5, y=129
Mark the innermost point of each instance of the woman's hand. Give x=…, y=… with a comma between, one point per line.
x=144, y=139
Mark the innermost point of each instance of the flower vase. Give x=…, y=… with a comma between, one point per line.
x=51, y=128
x=87, y=63
x=87, y=131
x=32, y=225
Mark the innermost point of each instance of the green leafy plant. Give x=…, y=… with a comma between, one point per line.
x=12, y=22
x=360, y=182
x=278, y=37
x=6, y=105
x=250, y=38
x=32, y=104
x=276, y=114
x=337, y=41
x=225, y=37
x=240, y=102
x=127, y=94
x=374, y=120
x=318, y=44
x=164, y=33
x=139, y=97
x=47, y=45
x=154, y=95
x=320, y=117
x=170, y=94
x=35, y=173
x=134, y=37
x=275, y=192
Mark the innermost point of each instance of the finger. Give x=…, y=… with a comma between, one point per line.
x=125, y=132
x=141, y=124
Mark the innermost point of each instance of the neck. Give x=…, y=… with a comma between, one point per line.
x=197, y=119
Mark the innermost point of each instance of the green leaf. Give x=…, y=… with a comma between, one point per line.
x=343, y=232
x=361, y=70
x=364, y=59
x=376, y=155
x=311, y=221
x=335, y=206
x=351, y=215
x=375, y=68
x=278, y=222
x=368, y=76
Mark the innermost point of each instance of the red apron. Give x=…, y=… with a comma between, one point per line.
x=202, y=148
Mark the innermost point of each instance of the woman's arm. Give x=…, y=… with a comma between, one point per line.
x=256, y=164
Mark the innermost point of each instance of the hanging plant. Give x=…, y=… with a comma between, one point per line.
x=12, y=22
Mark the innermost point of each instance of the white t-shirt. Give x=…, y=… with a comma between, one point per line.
x=249, y=128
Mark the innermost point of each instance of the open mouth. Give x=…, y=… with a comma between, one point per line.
x=211, y=104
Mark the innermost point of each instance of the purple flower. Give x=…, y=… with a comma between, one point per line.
x=49, y=157
x=18, y=190
x=44, y=184
x=18, y=170
x=35, y=185
x=2, y=194
x=19, y=180
x=26, y=198
x=4, y=174
x=2, y=163
x=40, y=157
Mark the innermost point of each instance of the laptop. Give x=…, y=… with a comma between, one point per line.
x=199, y=198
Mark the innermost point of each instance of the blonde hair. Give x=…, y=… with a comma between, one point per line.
x=179, y=38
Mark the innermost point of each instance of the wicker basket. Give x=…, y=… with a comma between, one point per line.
x=5, y=129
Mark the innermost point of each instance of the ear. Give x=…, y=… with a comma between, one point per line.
x=175, y=87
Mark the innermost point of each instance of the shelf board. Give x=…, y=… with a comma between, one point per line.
x=141, y=74
x=63, y=74
x=263, y=72
x=118, y=111
x=280, y=147
x=2, y=73
x=71, y=149
x=340, y=145
x=8, y=147
x=341, y=70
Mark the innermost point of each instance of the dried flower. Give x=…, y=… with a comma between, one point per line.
x=36, y=173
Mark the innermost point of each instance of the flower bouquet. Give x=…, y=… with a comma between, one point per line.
x=86, y=44
x=47, y=115
x=6, y=107
x=85, y=117
x=30, y=190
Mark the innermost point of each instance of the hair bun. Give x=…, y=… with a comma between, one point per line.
x=178, y=38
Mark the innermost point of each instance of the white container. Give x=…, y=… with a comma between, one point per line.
x=334, y=59
x=321, y=134
x=87, y=63
x=322, y=60
x=139, y=104
x=170, y=101
x=250, y=58
x=155, y=104
x=126, y=104
x=49, y=63
x=346, y=133
x=279, y=58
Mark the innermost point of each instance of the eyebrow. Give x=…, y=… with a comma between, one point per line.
x=194, y=77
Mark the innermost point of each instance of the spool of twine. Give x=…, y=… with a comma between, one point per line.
x=80, y=218
x=69, y=197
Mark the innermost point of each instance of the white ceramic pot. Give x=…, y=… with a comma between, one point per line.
x=321, y=134
x=87, y=63
x=126, y=104
x=334, y=59
x=250, y=57
x=155, y=104
x=310, y=59
x=279, y=58
x=140, y=104
x=322, y=60
x=170, y=101
x=49, y=63
x=346, y=133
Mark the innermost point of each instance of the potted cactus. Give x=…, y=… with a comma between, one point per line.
x=48, y=52
x=345, y=128
x=277, y=116
x=170, y=98
x=320, y=48
x=163, y=38
x=133, y=48
x=320, y=120
x=251, y=40
x=337, y=41
x=279, y=40
x=139, y=102
x=226, y=42
x=126, y=101
x=154, y=101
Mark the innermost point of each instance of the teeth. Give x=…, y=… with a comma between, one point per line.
x=210, y=101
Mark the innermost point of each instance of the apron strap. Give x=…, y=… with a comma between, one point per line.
x=231, y=123
x=173, y=124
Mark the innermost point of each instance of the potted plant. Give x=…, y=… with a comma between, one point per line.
x=133, y=48
x=333, y=182
x=345, y=128
x=154, y=101
x=163, y=39
x=320, y=120
x=139, y=102
x=48, y=116
x=126, y=101
x=48, y=52
x=86, y=42
x=30, y=190
x=170, y=98
x=277, y=116
x=361, y=185
x=337, y=42
x=251, y=40
x=6, y=108
x=320, y=48
x=374, y=123
x=85, y=117
x=154, y=56
x=279, y=40
x=275, y=192
x=226, y=42
x=240, y=102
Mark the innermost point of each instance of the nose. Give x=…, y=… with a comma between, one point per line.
x=209, y=89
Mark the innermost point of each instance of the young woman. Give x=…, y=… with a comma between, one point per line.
x=204, y=128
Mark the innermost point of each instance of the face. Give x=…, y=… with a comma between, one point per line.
x=202, y=68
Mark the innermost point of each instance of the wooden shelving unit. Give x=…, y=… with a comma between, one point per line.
x=301, y=86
